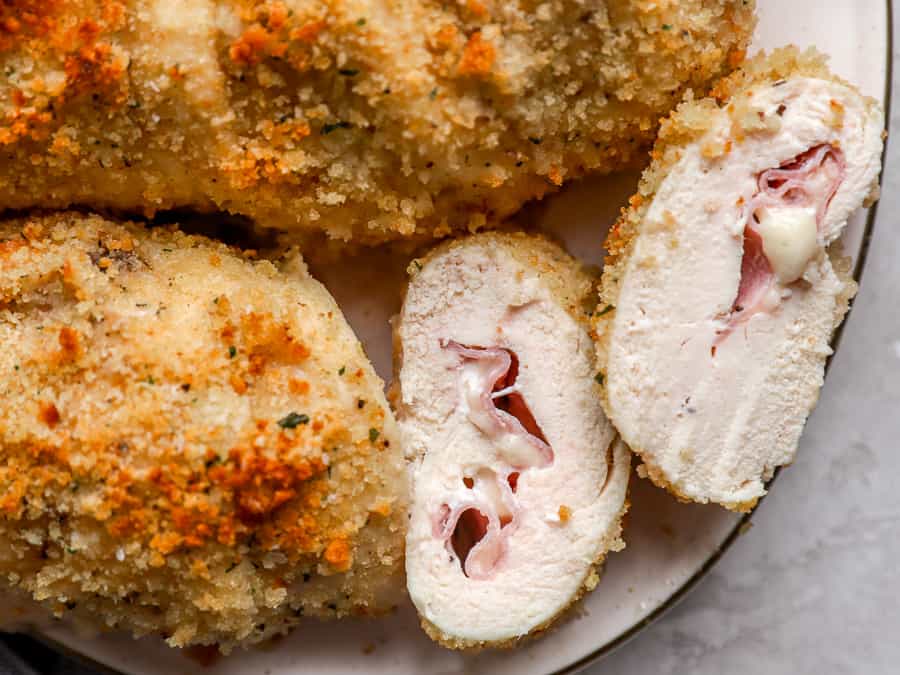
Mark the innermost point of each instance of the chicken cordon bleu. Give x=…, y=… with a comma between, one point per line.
x=368, y=120
x=192, y=442
x=519, y=481
x=725, y=280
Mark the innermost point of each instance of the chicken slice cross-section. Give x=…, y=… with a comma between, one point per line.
x=726, y=280
x=519, y=480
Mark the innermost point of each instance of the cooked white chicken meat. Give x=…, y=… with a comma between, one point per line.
x=725, y=283
x=519, y=480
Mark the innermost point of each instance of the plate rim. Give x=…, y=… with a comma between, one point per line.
x=691, y=583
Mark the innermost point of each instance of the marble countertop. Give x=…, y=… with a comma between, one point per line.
x=813, y=585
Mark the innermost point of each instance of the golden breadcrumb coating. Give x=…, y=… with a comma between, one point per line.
x=571, y=282
x=367, y=119
x=193, y=442
x=685, y=125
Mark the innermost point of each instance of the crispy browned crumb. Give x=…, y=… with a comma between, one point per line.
x=364, y=119
x=182, y=448
x=685, y=125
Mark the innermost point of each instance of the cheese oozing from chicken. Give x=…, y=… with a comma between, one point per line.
x=729, y=297
x=518, y=479
x=789, y=240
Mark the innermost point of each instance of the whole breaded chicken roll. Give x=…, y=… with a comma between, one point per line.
x=192, y=442
x=724, y=282
x=519, y=480
x=367, y=120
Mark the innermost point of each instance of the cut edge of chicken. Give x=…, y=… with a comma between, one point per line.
x=692, y=123
x=571, y=288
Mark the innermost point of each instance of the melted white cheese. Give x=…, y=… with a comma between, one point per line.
x=789, y=240
x=514, y=448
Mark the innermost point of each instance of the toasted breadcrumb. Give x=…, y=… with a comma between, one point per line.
x=141, y=486
x=367, y=120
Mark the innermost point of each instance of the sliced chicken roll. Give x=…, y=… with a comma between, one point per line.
x=724, y=282
x=519, y=480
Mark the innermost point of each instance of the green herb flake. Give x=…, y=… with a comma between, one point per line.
x=328, y=128
x=433, y=94
x=232, y=352
x=598, y=378
x=342, y=370
x=605, y=310
x=349, y=72
x=360, y=22
x=666, y=26
x=150, y=380
x=293, y=420
x=374, y=434
x=535, y=140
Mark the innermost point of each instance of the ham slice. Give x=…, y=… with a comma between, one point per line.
x=477, y=532
x=489, y=382
x=809, y=180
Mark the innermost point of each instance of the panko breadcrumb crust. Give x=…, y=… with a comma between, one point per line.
x=574, y=287
x=687, y=124
x=193, y=443
x=363, y=119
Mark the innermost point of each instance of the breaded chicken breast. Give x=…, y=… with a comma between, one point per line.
x=192, y=442
x=369, y=120
x=519, y=480
x=725, y=281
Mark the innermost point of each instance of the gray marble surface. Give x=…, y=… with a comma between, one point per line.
x=813, y=586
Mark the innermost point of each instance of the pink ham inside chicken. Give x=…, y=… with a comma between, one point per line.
x=497, y=407
x=471, y=527
x=756, y=273
x=476, y=529
x=510, y=401
x=809, y=180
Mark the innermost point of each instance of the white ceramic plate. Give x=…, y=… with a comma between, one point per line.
x=670, y=545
